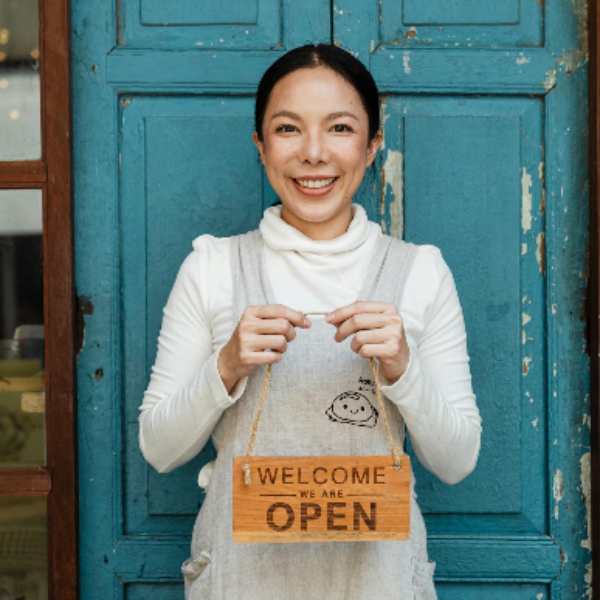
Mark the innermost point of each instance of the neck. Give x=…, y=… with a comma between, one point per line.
x=322, y=230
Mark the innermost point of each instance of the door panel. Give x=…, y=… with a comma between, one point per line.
x=476, y=111
x=164, y=113
x=171, y=193
x=413, y=23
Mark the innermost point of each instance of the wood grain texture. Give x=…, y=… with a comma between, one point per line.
x=321, y=499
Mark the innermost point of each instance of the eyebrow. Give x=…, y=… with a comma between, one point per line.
x=329, y=117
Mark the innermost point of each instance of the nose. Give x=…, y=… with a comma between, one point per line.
x=314, y=148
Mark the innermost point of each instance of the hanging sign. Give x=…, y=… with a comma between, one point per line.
x=321, y=498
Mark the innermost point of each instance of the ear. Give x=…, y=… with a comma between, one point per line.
x=260, y=145
x=373, y=147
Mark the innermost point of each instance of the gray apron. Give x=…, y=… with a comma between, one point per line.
x=304, y=414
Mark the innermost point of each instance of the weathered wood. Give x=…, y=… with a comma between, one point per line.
x=25, y=482
x=593, y=292
x=15, y=173
x=321, y=499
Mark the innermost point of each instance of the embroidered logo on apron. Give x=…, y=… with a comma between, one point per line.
x=353, y=408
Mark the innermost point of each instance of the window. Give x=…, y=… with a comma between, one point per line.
x=37, y=327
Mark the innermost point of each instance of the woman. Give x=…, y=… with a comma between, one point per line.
x=238, y=304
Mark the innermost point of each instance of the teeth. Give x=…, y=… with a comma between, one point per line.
x=315, y=184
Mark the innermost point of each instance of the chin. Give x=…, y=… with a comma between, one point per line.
x=315, y=212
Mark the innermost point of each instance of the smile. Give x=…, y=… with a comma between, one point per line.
x=315, y=188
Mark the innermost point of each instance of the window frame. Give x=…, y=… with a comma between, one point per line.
x=52, y=174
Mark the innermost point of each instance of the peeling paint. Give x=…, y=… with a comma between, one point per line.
x=523, y=59
x=526, y=362
x=571, y=60
x=383, y=117
x=405, y=62
x=526, y=200
x=523, y=249
x=411, y=33
x=125, y=102
x=85, y=306
x=535, y=422
x=550, y=80
x=588, y=580
x=580, y=11
x=525, y=318
x=540, y=253
x=558, y=490
x=586, y=492
x=392, y=176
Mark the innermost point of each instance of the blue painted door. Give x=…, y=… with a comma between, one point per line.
x=484, y=156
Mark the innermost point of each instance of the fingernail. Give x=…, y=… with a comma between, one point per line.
x=307, y=323
x=330, y=317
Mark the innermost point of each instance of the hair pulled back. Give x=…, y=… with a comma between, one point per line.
x=321, y=55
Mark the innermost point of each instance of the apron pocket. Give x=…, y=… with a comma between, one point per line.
x=423, y=571
x=192, y=568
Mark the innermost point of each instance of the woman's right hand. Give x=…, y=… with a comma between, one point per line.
x=262, y=327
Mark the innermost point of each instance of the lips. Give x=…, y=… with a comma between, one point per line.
x=314, y=191
x=301, y=180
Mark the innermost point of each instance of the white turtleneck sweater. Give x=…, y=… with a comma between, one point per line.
x=186, y=397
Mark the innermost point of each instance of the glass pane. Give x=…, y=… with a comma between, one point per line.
x=22, y=409
x=19, y=81
x=23, y=549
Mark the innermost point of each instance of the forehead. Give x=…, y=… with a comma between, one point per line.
x=314, y=92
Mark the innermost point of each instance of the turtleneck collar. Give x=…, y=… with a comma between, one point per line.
x=279, y=235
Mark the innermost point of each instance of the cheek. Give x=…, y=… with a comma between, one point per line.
x=279, y=151
x=352, y=153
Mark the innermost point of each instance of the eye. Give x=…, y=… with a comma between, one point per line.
x=345, y=407
x=280, y=128
x=342, y=125
x=362, y=408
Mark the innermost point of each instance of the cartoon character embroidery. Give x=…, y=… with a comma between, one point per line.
x=353, y=408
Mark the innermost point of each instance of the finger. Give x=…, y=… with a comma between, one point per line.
x=268, y=358
x=275, y=327
x=373, y=336
x=360, y=322
x=280, y=311
x=345, y=312
x=373, y=351
x=269, y=342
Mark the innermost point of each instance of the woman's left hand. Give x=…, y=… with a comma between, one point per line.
x=378, y=333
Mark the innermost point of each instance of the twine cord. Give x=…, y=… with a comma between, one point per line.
x=396, y=453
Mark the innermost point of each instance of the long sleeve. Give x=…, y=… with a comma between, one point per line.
x=186, y=396
x=435, y=393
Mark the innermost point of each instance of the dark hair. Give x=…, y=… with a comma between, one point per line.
x=311, y=57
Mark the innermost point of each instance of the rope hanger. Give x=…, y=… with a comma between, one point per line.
x=396, y=453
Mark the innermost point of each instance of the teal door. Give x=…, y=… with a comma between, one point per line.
x=484, y=113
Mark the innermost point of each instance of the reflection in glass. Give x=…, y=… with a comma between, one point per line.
x=23, y=549
x=19, y=81
x=22, y=407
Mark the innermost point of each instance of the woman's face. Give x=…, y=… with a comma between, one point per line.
x=315, y=129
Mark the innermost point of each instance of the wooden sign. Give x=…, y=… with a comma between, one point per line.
x=321, y=499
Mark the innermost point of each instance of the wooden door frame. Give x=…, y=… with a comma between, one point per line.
x=52, y=174
x=593, y=302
